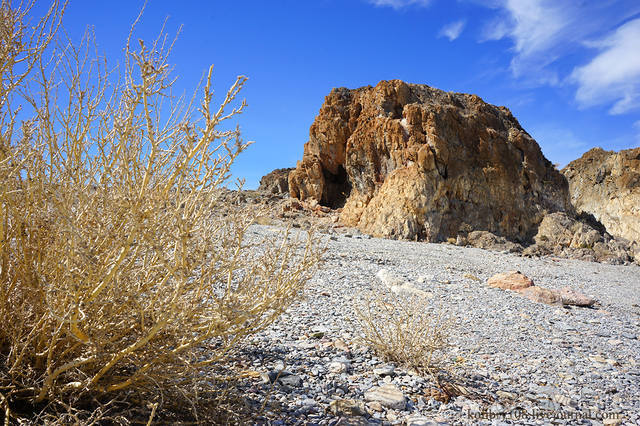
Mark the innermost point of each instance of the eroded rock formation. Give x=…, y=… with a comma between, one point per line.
x=410, y=161
x=606, y=184
x=275, y=182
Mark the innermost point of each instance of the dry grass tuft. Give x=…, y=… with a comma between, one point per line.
x=403, y=329
x=124, y=269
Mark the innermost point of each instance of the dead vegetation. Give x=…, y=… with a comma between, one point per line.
x=125, y=276
x=404, y=329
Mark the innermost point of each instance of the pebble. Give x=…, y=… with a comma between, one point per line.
x=388, y=395
x=387, y=370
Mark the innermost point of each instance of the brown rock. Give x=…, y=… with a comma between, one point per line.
x=520, y=283
x=487, y=240
x=541, y=295
x=606, y=184
x=275, y=182
x=512, y=280
x=569, y=296
x=410, y=161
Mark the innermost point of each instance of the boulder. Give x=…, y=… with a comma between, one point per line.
x=606, y=184
x=541, y=295
x=487, y=240
x=512, y=280
x=275, y=182
x=409, y=161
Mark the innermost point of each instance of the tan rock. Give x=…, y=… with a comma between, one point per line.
x=412, y=162
x=569, y=296
x=541, y=295
x=513, y=280
x=347, y=407
x=522, y=284
x=606, y=184
x=388, y=395
x=275, y=182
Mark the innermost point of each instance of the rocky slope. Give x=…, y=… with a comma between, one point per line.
x=413, y=162
x=606, y=184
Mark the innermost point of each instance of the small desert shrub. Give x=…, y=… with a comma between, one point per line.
x=403, y=329
x=123, y=265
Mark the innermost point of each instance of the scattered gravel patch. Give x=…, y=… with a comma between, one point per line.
x=521, y=362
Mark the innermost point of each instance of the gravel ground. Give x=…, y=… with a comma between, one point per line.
x=520, y=362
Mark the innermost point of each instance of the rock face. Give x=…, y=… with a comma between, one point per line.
x=276, y=182
x=606, y=184
x=413, y=162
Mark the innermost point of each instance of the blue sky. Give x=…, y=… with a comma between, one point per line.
x=569, y=70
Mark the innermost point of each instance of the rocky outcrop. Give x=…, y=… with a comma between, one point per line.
x=606, y=184
x=413, y=162
x=576, y=238
x=275, y=182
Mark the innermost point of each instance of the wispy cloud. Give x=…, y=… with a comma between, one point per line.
x=636, y=125
x=614, y=74
x=537, y=28
x=399, y=4
x=453, y=30
x=544, y=31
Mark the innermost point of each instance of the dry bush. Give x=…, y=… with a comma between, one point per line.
x=123, y=266
x=403, y=329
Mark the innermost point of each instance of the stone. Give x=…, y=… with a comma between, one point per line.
x=606, y=184
x=353, y=421
x=275, y=182
x=487, y=240
x=541, y=295
x=387, y=370
x=418, y=420
x=409, y=161
x=339, y=366
x=388, y=395
x=347, y=407
x=400, y=287
x=292, y=380
x=512, y=280
x=341, y=345
x=572, y=297
x=520, y=283
x=375, y=406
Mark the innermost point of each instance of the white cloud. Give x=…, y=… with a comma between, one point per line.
x=636, y=125
x=614, y=74
x=544, y=31
x=453, y=30
x=539, y=30
x=399, y=4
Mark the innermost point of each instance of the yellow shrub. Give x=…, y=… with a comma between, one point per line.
x=404, y=329
x=122, y=266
